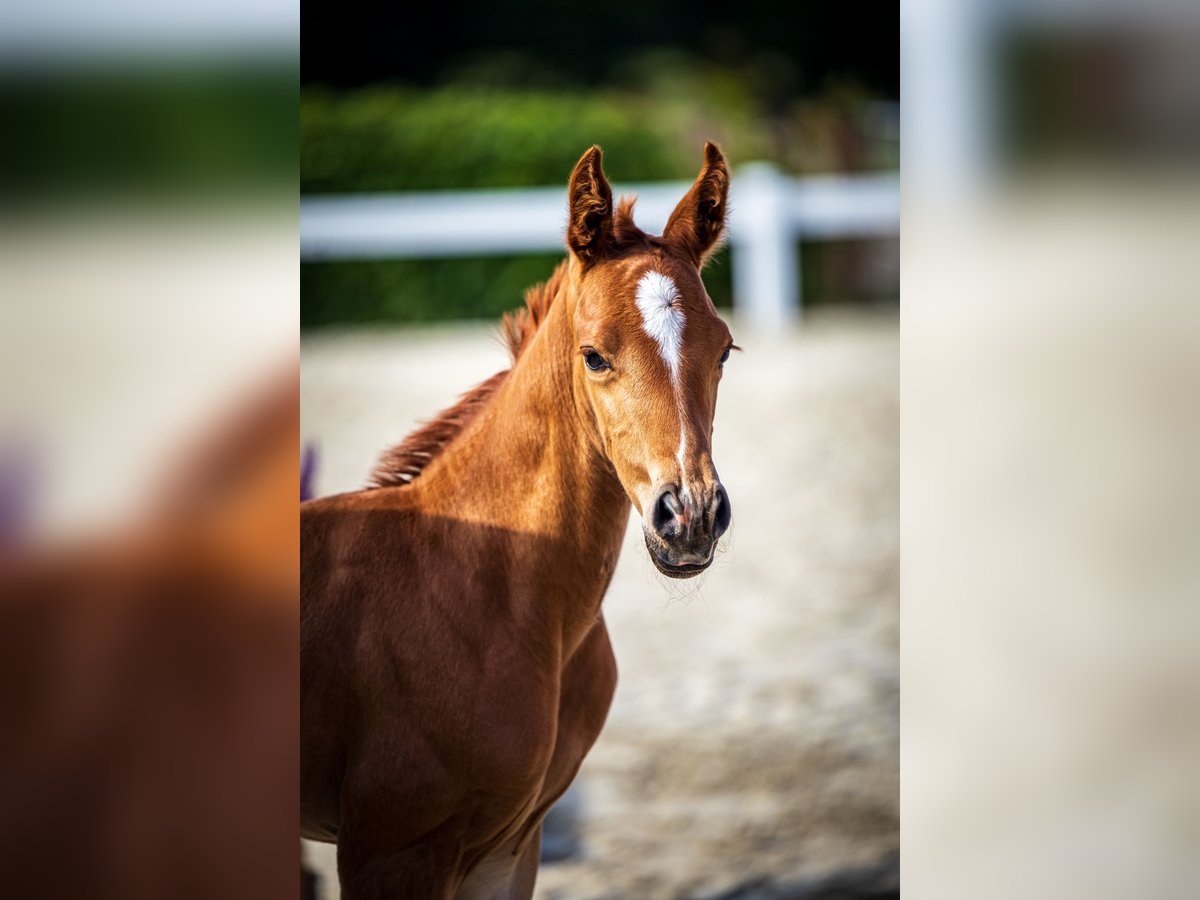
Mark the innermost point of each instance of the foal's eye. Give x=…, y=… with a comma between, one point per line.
x=594, y=361
x=725, y=356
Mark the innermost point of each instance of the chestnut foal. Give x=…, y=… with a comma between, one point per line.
x=455, y=664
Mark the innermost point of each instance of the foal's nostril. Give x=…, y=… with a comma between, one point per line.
x=723, y=513
x=665, y=517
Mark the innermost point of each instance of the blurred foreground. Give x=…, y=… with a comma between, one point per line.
x=752, y=749
x=1051, y=684
x=149, y=703
x=149, y=556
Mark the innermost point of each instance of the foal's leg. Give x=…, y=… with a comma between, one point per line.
x=367, y=870
x=504, y=875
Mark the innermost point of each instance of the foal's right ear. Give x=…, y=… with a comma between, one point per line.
x=698, y=222
x=590, y=226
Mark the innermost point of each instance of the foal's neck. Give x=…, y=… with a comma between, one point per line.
x=532, y=464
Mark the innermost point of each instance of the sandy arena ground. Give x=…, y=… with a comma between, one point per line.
x=752, y=749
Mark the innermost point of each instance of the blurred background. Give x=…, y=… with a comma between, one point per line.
x=149, y=380
x=147, y=216
x=1051, y=513
x=753, y=746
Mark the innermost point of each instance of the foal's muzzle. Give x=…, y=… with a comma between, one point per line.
x=682, y=529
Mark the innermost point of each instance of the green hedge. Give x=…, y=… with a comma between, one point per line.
x=399, y=139
x=393, y=138
x=150, y=131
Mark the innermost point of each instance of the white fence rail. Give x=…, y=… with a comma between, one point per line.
x=769, y=212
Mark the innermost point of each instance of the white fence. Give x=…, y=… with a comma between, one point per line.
x=769, y=212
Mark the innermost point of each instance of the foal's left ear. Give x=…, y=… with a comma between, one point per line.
x=589, y=196
x=699, y=220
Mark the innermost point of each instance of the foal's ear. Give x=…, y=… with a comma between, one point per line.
x=699, y=220
x=589, y=195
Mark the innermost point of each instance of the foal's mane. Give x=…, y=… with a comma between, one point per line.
x=399, y=465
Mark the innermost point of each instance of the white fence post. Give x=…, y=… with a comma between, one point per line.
x=766, y=270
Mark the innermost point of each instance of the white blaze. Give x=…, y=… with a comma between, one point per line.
x=663, y=320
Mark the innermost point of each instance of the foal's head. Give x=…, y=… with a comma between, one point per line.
x=650, y=350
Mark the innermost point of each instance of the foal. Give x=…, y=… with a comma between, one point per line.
x=455, y=664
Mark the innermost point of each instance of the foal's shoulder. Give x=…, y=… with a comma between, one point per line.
x=344, y=536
